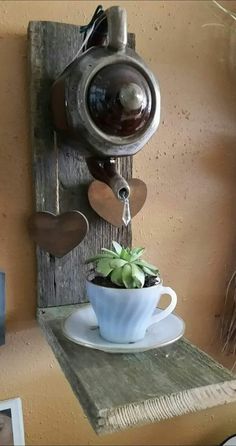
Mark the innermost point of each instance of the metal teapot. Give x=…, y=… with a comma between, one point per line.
x=106, y=103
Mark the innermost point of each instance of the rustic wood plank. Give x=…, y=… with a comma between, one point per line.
x=121, y=390
x=61, y=281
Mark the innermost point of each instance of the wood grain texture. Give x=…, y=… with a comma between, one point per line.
x=122, y=390
x=61, y=281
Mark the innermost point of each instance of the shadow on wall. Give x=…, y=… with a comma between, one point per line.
x=220, y=163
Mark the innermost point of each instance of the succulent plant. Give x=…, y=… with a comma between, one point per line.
x=123, y=266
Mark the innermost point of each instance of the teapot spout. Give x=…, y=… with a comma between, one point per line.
x=105, y=170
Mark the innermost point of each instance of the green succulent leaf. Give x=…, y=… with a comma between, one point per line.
x=116, y=276
x=97, y=257
x=127, y=276
x=138, y=275
x=137, y=250
x=136, y=254
x=125, y=254
x=149, y=272
x=103, y=267
x=110, y=253
x=147, y=265
x=117, y=247
x=117, y=263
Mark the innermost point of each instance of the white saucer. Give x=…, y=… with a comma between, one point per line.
x=81, y=327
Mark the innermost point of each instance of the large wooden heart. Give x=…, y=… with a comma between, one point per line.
x=105, y=204
x=58, y=234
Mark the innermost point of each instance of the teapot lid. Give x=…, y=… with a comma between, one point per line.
x=119, y=100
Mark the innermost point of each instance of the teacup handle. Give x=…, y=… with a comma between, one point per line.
x=158, y=317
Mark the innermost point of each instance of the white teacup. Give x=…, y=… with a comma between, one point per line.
x=124, y=315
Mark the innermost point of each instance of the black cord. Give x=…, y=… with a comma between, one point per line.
x=84, y=29
x=98, y=12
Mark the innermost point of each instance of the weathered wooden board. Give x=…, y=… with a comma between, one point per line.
x=61, y=281
x=121, y=390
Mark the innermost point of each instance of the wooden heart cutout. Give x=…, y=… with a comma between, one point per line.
x=105, y=204
x=58, y=234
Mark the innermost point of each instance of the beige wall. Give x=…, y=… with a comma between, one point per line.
x=187, y=224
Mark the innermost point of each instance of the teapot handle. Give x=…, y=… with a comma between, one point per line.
x=117, y=28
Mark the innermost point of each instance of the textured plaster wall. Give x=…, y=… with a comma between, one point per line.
x=187, y=224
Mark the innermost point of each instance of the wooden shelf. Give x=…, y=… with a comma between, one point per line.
x=117, y=391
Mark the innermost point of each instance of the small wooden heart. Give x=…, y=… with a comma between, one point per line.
x=58, y=234
x=105, y=204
